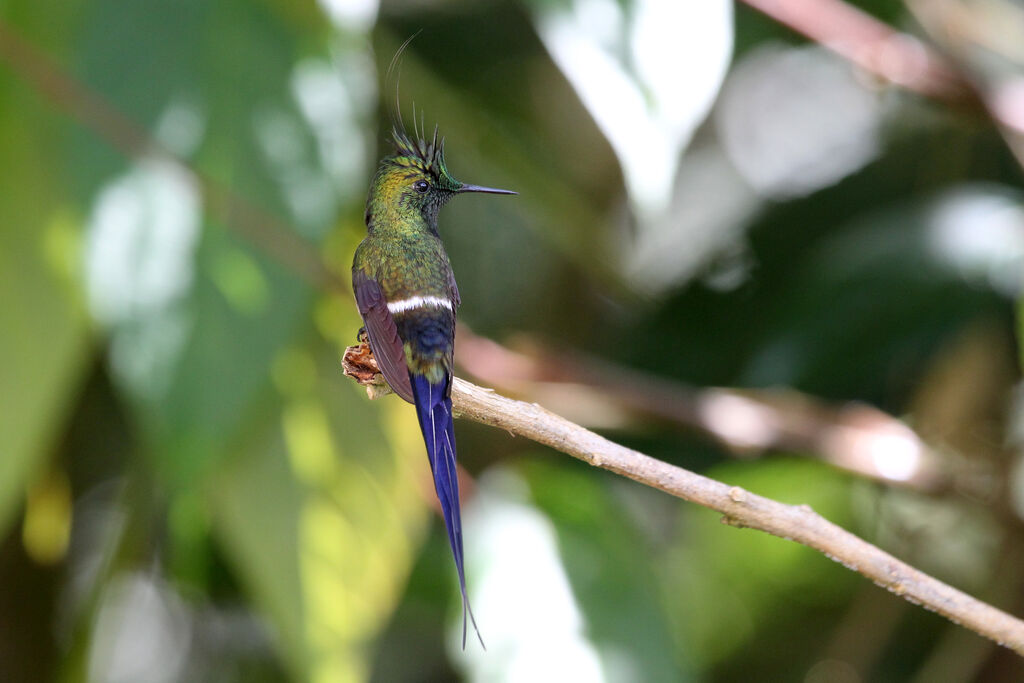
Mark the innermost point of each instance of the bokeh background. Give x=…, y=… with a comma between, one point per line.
x=782, y=247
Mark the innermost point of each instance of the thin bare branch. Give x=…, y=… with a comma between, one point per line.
x=740, y=508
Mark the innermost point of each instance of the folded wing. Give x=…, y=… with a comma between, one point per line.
x=387, y=346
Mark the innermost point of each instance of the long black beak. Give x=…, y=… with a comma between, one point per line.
x=488, y=190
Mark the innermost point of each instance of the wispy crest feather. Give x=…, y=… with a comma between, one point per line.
x=395, y=71
x=430, y=155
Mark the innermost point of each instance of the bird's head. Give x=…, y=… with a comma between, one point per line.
x=415, y=178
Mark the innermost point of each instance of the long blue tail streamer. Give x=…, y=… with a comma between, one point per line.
x=434, y=410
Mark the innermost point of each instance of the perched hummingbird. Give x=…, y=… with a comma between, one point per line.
x=407, y=297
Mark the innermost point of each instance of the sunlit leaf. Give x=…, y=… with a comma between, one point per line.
x=45, y=338
x=321, y=510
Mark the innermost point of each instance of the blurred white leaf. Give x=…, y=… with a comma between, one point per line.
x=979, y=230
x=141, y=633
x=351, y=15
x=647, y=71
x=139, y=254
x=520, y=592
x=711, y=206
x=795, y=120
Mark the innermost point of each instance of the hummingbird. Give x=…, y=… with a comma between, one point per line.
x=407, y=297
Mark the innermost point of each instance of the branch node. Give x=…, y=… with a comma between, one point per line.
x=729, y=520
x=737, y=495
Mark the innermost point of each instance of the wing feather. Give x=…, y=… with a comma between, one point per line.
x=387, y=346
x=453, y=289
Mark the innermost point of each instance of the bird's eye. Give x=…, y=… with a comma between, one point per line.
x=421, y=186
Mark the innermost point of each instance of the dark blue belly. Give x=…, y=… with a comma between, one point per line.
x=430, y=332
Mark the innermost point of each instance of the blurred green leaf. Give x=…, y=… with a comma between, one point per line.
x=321, y=518
x=37, y=378
x=46, y=337
x=222, y=322
x=725, y=587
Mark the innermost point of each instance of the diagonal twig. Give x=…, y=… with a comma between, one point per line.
x=740, y=508
x=872, y=45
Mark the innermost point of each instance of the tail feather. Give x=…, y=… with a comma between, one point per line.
x=434, y=410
